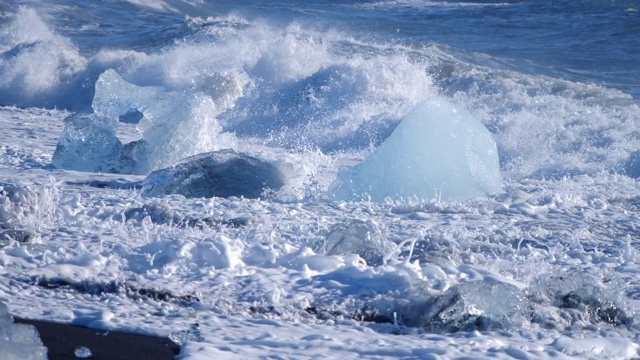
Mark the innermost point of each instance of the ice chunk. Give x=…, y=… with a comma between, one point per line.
x=25, y=334
x=175, y=125
x=82, y=352
x=5, y=321
x=584, y=297
x=19, y=341
x=15, y=351
x=477, y=305
x=221, y=173
x=89, y=143
x=184, y=336
x=158, y=213
x=357, y=237
x=438, y=150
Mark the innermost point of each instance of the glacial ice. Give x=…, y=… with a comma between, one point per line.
x=221, y=173
x=438, y=150
x=83, y=352
x=174, y=125
x=581, y=298
x=19, y=341
x=89, y=143
x=158, y=213
x=363, y=238
x=477, y=305
x=182, y=337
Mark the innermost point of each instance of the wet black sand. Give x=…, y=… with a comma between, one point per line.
x=63, y=339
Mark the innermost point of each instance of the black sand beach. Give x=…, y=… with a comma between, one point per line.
x=63, y=339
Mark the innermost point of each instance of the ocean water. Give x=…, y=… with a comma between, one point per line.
x=547, y=266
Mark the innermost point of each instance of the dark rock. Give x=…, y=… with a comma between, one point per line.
x=221, y=173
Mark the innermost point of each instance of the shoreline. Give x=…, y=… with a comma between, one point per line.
x=62, y=340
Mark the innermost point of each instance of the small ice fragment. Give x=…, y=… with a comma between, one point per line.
x=184, y=336
x=25, y=334
x=358, y=237
x=5, y=317
x=477, y=305
x=19, y=341
x=158, y=213
x=83, y=352
x=89, y=143
x=195, y=332
x=10, y=350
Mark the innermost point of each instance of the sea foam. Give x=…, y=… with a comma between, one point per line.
x=36, y=64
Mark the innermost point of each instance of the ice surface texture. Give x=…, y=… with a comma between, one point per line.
x=363, y=238
x=582, y=298
x=89, y=143
x=221, y=173
x=83, y=352
x=184, y=336
x=174, y=125
x=477, y=305
x=19, y=341
x=569, y=298
x=438, y=150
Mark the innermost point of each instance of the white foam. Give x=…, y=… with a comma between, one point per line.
x=549, y=128
x=36, y=63
x=291, y=86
